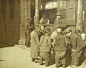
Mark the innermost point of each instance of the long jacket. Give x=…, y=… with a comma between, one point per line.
x=80, y=43
x=34, y=40
x=60, y=42
x=73, y=40
x=45, y=42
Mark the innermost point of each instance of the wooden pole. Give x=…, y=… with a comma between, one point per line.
x=36, y=17
x=79, y=15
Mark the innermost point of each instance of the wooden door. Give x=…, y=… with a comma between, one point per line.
x=10, y=21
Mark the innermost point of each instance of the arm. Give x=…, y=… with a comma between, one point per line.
x=54, y=41
x=49, y=42
x=36, y=37
x=41, y=40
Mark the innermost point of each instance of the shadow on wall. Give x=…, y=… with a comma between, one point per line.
x=2, y=45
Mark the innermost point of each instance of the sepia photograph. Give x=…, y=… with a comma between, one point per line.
x=42, y=33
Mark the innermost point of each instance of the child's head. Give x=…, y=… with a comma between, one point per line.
x=47, y=31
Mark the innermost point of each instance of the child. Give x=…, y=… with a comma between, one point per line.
x=45, y=42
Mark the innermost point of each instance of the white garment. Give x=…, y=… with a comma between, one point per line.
x=54, y=34
x=41, y=21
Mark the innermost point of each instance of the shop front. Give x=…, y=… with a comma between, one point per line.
x=51, y=9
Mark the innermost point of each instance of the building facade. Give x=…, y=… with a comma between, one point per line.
x=14, y=14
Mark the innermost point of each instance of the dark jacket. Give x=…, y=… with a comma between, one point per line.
x=60, y=22
x=60, y=42
x=73, y=40
x=80, y=43
x=45, y=42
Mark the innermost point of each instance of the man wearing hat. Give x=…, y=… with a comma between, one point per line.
x=77, y=48
x=71, y=45
x=35, y=43
x=60, y=48
x=59, y=22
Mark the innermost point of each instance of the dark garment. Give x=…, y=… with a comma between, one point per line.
x=76, y=54
x=44, y=56
x=75, y=57
x=27, y=42
x=73, y=40
x=80, y=43
x=60, y=22
x=45, y=42
x=60, y=55
x=60, y=43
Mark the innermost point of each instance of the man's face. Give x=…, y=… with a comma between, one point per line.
x=58, y=16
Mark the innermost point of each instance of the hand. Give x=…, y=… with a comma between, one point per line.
x=74, y=50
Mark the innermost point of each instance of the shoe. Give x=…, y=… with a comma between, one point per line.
x=74, y=66
x=46, y=65
x=64, y=66
x=33, y=60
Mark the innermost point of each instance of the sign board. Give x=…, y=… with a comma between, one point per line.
x=51, y=5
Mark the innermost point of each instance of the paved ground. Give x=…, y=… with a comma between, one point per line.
x=19, y=57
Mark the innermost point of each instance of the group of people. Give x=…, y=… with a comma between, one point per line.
x=63, y=41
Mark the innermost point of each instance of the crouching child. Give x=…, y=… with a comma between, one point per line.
x=45, y=47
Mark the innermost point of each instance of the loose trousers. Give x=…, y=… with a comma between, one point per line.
x=44, y=56
x=60, y=55
x=75, y=57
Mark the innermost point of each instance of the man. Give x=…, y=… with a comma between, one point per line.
x=35, y=43
x=71, y=45
x=60, y=48
x=27, y=33
x=45, y=48
x=59, y=21
x=77, y=52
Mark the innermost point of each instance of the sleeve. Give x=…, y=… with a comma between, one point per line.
x=49, y=42
x=37, y=39
x=48, y=22
x=41, y=21
x=41, y=40
x=54, y=42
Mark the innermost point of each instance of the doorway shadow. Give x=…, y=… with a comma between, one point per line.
x=3, y=45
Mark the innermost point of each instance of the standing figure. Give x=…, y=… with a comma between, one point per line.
x=27, y=33
x=59, y=21
x=60, y=48
x=77, y=52
x=45, y=48
x=35, y=43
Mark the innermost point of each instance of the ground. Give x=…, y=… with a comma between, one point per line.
x=18, y=56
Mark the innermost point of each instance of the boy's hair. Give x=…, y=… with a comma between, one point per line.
x=47, y=30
